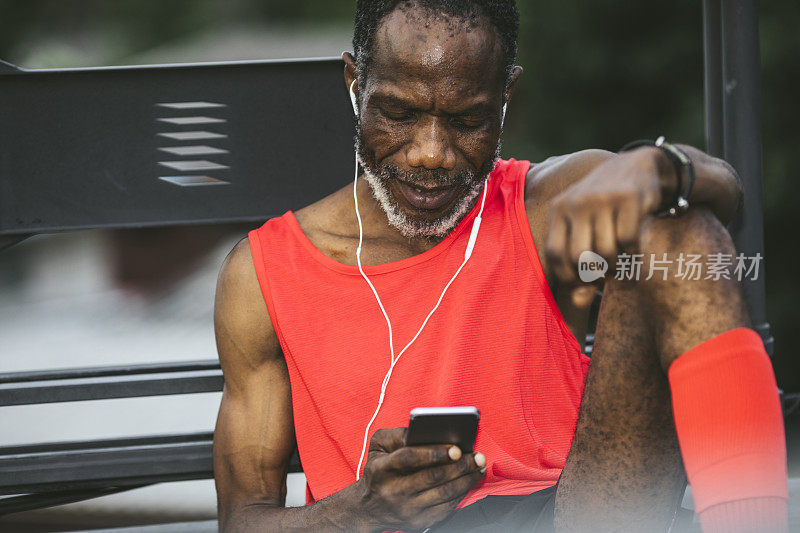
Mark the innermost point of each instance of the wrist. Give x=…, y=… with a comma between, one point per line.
x=682, y=171
x=659, y=176
x=361, y=518
x=668, y=178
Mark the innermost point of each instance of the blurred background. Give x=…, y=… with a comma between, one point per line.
x=597, y=74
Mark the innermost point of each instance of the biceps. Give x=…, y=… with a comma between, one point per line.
x=254, y=438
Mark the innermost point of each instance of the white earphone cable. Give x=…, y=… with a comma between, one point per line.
x=394, y=360
x=360, y=269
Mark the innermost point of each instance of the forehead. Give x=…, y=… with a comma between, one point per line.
x=418, y=47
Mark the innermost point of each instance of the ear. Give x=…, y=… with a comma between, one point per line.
x=350, y=71
x=515, y=74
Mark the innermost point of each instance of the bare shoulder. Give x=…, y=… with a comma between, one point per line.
x=243, y=329
x=549, y=178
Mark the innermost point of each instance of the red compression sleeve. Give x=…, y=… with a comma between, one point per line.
x=730, y=429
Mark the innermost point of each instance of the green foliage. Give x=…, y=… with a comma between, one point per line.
x=605, y=72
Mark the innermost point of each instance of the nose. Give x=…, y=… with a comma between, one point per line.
x=431, y=146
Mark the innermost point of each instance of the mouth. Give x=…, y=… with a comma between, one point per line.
x=426, y=198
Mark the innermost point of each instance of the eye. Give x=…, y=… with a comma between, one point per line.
x=397, y=115
x=467, y=123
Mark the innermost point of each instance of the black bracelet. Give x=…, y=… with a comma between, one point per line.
x=681, y=162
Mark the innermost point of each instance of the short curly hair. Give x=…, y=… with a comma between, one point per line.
x=502, y=14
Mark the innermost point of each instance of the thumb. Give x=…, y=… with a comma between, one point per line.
x=583, y=296
x=388, y=440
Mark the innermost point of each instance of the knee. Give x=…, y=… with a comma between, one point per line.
x=692, y=254
x=688, y=284
x=696, y=232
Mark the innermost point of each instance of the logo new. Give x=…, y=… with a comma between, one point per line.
x=591, y=266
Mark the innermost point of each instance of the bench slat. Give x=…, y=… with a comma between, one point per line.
x=108, y=463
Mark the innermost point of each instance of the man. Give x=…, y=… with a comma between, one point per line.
x=305, y=307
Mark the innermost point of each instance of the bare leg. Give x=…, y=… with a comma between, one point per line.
x=624, y=471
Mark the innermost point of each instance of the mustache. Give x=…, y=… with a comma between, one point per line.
x=429, y=178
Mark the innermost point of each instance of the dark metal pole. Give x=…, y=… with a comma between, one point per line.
x=712, y=55
x=741, y=86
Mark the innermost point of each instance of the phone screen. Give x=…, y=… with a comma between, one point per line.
x=443, y=425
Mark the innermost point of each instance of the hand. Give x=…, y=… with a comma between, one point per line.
x=602, y=213
x=414, y=487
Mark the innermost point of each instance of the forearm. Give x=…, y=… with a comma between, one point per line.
x=604, y=209
x=716, y=185
x=337, y=512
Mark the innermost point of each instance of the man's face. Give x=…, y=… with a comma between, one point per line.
x=430, y=118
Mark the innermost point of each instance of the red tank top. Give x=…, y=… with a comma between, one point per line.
x=497, y=342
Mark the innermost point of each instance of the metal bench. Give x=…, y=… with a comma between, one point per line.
x=152, y=146
x=43, y=475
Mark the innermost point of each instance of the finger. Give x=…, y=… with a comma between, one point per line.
x=434, y=514
x=435, y=476
x=605, y=234
x=387, y=440
x=412, y=458
x=583, y=296
x=452, y=491
x=580, y=238
x=651, y=197
x=628, y=219
x=556, y=246
x=557, y=229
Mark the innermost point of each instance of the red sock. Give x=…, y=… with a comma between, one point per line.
x=730, y=429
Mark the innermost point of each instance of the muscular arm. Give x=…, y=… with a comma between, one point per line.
x=595, y=200
x=254, y=436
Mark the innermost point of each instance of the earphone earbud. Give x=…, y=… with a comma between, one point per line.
x=353, y=99
x=503, y=118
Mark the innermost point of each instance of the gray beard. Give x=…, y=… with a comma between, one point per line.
x=409, y=227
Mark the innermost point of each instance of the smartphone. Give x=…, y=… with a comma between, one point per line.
x=443, y=425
